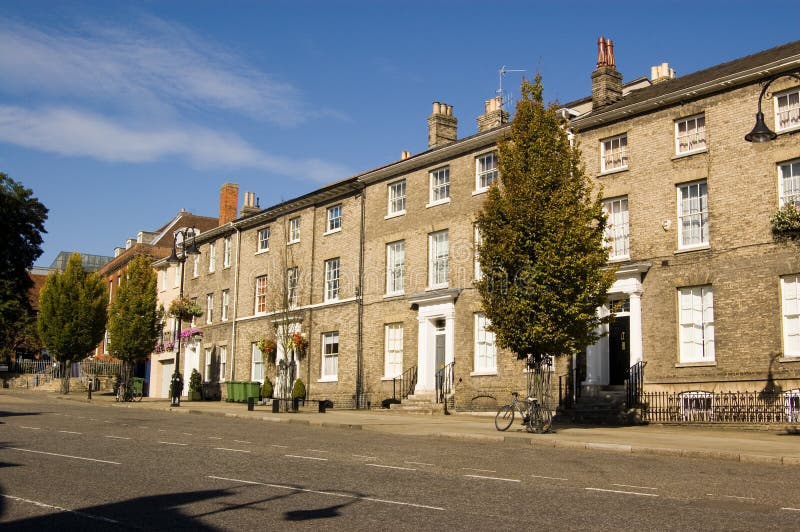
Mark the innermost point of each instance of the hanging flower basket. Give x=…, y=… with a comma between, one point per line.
x=185, y=309
x=268, y=348
x=191, y=333
x=300, y=342
x=786, y=222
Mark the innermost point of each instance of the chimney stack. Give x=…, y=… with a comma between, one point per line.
x=228, y=201
x=493, y=115
x=250, y=205
x=606, y=81
x=661, y=73
x=442, y=125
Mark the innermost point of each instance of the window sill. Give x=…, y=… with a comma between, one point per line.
x=328, y=379
x=396, y=295
x=787, y=130
x=330, y=301
x=438, y=287
x=211, y=271
x=292, y=242
x=789, y=359
x=483, y=373
x=437, y=203
x=394, y=214
x=621, y=258
x=695, y=364
x=704, y=247
x=262, y=251
x=332, y=231
x=480, y=191
x=614, y=171
x=384, y=378
x=689, y=154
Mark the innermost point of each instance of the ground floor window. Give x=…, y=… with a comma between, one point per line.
x=330, y=356
x=223, y=359
x=696, y=315
x=393, y=365
x=257, y=366
x=697, y=406
x=485, y=347
x=790, y=308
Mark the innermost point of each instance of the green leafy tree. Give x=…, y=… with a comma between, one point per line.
x=72, y=314
x=541, y=251
x=134, y=319
x=22, y=219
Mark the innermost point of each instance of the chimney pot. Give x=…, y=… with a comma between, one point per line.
x=606, y=81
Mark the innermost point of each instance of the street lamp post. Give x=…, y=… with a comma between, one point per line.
x=180, y=258
x=761, y=133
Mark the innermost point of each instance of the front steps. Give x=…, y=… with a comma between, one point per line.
x=607, y=406
x=421, y=403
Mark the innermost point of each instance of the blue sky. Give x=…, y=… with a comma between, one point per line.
x=119, y=114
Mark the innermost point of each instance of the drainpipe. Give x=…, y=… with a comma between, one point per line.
x=235, y=300
x=311, y=300
x=360, y=303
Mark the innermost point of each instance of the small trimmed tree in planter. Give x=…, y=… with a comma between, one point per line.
x=195, y=385
x=298, y=393
x=266, y=389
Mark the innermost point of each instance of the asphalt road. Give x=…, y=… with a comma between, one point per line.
x=69, y=466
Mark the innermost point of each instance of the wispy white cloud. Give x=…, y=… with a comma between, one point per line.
x=157, y=66
x=70, y=132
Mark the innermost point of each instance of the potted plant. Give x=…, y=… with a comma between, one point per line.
x=786, y=222
x=268, y=348
x=266, y=390
x=195, y=385
x=298, y=394
x=185, y=309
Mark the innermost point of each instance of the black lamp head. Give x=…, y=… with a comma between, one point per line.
x=760, y=133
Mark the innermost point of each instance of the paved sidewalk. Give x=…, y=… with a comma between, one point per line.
x=767, y=445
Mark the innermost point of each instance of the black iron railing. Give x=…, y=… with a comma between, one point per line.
x=725, y=407
x=444, y=382
x=403, y=385
x=634, y=385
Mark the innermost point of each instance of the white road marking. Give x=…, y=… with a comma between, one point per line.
x=242, y=441
x=549, y=478
x=187, y=434
x=317, y=451
x=418, y=463
x=162, y=430
x=60, y=509
x=173, y=443
x=737, y=497
x=493, y=478
x=392, y=467
x=142, y=427
x=232, y=450
x=479, y=470
x=107, y=422
x=305, y=457
x=791, y=509
x=638, y=487
x=623, y=492
x=281, y=446
x=63, y=455
x=342, y=495
x=214, y=438
x=31, y=428
x=92, y=419
x=365, y=457
x=118, y=437
x=69, y=432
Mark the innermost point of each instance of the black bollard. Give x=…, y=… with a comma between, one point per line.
x=91, y=383
x=251, y=402
x=276, y=406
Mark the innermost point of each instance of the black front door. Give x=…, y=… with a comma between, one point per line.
x=619, y=350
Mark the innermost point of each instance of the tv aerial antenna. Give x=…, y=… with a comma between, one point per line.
x=505, y=97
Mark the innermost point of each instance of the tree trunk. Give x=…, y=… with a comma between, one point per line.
x=65, y=377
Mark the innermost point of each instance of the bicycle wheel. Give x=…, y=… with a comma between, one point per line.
x=137, y=396
x=504, y=417
x=541, y=419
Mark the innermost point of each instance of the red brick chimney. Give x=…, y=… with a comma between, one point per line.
x=606, y=81
x=228, y=202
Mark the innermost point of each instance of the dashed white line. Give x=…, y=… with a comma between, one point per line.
x=493, y=478
x=305, y=457
x=479, y=470
x=63, y=455
x=365, y=457
x=332, y=494
x=60, y=509
x=281, y=446
x=69, y=432
x=637, y=487
x=142, y=427
x=791, y=509
x=392, y=467
x=231, y=450
x=118, y=437
x=30, y=428
x=549, y=478
x=162, y=430
x=317, y=451
x=242, y=441
x=418, y=463
x=173, y=443
x=187, y=434
x=214, y=438
x=623, y=492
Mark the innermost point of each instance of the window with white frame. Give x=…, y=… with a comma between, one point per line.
x=195, y=265
x=263, y=239
x=291, y=286
x=226, y=301
x=616, y=231
x=257, y=364
x=393, y=358
x=332, y=279
x=789, y=182
x=212, y=257
x=693, y=215
x=477, y=241
x=222, y=361
x=690, y=134
x=209, y=363
x=790, y=309
x=787, y=110
x=294, y=230
x=485, y=171
x=437, y=259
x=176, y=276
x=485, y=346
x=440, y=184
x=209, y=308
x=395, y=267
x=261, y=295
x=614, y=153
x=330, y=356
x=334, y=218
x=226, y=252
x=696, y=318
x=397, y=197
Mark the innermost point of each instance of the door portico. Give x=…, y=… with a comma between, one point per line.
x=436, y=329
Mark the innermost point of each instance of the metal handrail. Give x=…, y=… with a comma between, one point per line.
x=444, y=382
x=407, y=381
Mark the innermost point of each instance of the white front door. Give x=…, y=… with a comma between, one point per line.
x=436, y=342
x=167, y=369
x=191, y=361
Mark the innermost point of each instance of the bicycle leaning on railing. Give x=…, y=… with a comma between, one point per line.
x=131, y=391
x=535, y=417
